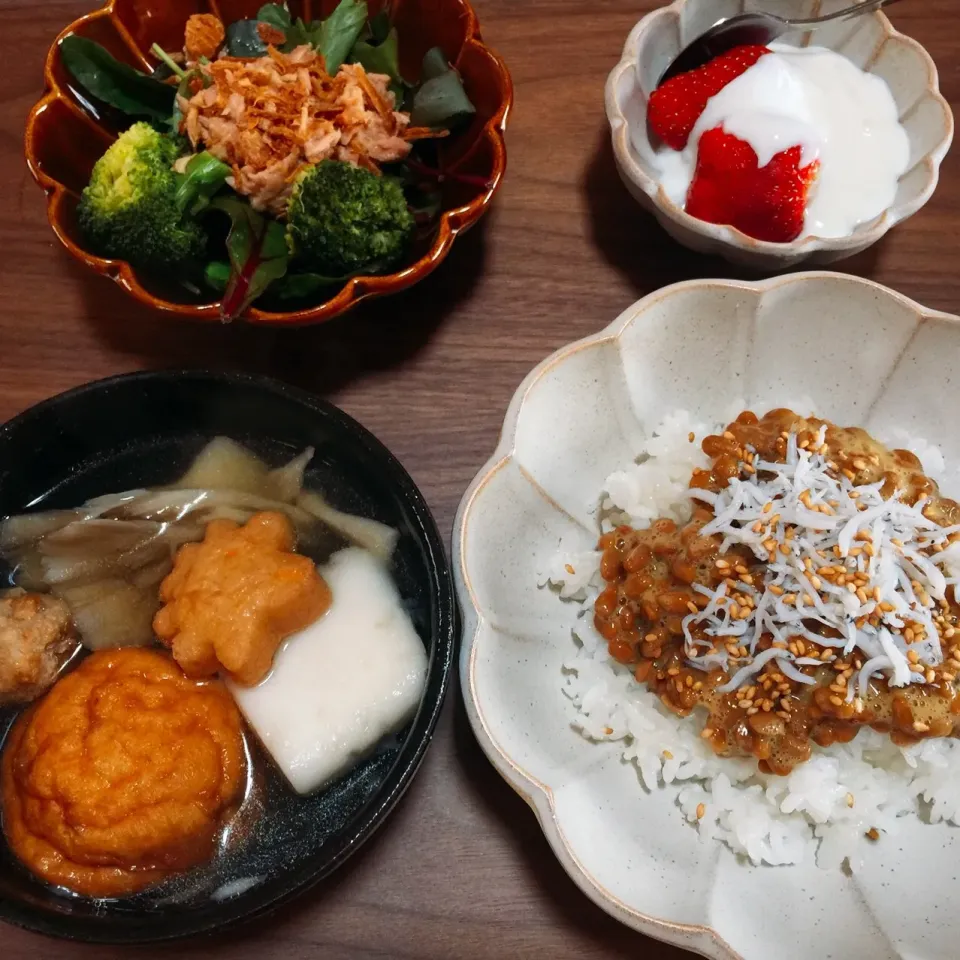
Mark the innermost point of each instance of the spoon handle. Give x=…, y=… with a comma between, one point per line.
x=867, y=6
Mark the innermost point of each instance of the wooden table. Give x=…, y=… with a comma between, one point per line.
x=461, y=869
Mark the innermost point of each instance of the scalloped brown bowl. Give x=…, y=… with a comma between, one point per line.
x=66, y=134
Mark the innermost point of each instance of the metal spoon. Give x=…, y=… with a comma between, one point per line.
x=754, y=28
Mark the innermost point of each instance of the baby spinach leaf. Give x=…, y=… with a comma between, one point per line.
x=379, y=27
x=276, y=14
x=380, y=58
x=300, y=286
x=300, y=33
x=203, y=177
x=339, y=32
x=121, y=86
x=440, y=101
x=434, y=65
x=243, y=39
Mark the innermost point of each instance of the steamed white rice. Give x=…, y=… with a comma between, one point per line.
x=826, y=806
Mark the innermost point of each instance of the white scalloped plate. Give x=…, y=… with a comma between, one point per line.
x=867, y=356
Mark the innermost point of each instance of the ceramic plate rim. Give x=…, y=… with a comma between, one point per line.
x=539, y=796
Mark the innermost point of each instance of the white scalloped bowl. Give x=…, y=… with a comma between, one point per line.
x=867, y=356
x=868, y=41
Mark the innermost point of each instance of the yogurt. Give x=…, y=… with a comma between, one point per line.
x=819, y=100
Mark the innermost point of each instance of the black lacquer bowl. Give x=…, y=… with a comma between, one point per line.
x=143, y=430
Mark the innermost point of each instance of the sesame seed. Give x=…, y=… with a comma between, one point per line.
x=667, y=755
x=920, y=726
x=849, y=799
x=701, y=810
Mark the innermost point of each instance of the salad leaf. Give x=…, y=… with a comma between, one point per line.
x=340, y=31
x=117, y=84
x=379, y=27
x=258, y=255
x=203, y=177
x=276, y=14
x=243, y=39
x=183, y=90
x=425, y=204
x=381, y=58
x=435, y=64
x=301, y=33
x=299, y=286
x=440, y=101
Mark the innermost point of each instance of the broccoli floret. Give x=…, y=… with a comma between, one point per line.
x=344, y=220
x=129, y=210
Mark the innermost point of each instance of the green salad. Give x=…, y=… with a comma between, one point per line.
x=271, y=159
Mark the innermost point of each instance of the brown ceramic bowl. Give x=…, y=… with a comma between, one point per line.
x=65, y=135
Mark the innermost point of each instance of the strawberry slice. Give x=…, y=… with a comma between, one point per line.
x=730, y=187
x=676, y=106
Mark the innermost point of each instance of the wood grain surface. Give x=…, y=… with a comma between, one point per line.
x=461, y=869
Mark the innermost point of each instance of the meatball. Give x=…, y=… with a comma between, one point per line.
x=36, y=638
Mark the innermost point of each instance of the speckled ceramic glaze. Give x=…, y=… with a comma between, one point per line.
x=866, y=356
x=868, y=41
